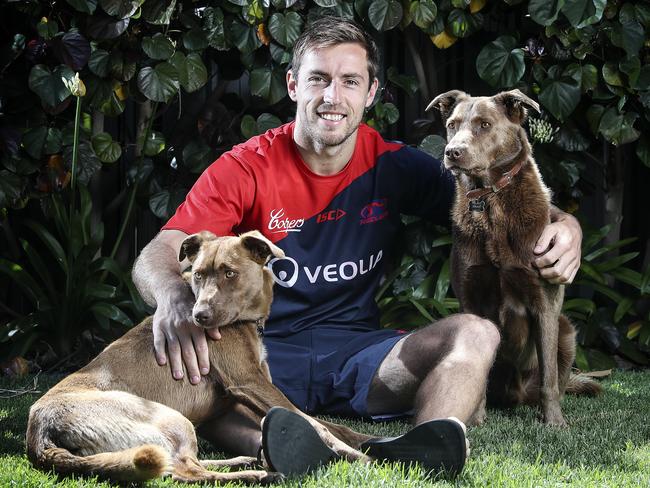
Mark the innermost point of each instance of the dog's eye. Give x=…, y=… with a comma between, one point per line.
x=451, y=125
x=230, y=274
x=197, y=276
x=485, y=125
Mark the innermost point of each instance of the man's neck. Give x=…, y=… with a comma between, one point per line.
x=325, y=160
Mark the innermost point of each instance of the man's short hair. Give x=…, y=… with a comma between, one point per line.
x=330, y=31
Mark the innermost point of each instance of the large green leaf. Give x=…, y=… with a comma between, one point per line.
x=618, y=128
x=243, y=36
x=159, y=12
x=107, y=150
x=111, y=312
x=385, y=14
x=192, y=73
x=584, y=12
x=99, y=62
x=42, y=140
x=628, y=35
x=158, y=46
x=195, y=40
x=268, y=84
x=214, y=28
x=159, y=84
x=87, y=164
x=434, y=145
x=85, y=6
x=48, y=84
x=285, y=28
x=423, y=12
x=501, y=62
x=560, y=96
x=545, y=12
x=120, y=8
x=121, y=67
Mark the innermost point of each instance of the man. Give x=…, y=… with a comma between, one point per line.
x=329, y=191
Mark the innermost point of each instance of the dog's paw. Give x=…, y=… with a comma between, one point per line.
x=270, y=477
x=555, y=419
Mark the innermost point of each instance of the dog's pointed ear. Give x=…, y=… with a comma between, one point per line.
x=516, y=105
x=191, y=245
x=260, y=247
x=446, y=102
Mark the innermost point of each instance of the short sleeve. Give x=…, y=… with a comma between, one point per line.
x=218, y=200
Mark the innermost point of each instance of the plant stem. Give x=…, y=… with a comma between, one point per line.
x=134, y=189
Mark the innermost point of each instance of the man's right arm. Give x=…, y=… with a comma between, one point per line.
x=157, y=275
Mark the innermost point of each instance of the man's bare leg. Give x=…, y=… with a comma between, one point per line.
x=438, y=371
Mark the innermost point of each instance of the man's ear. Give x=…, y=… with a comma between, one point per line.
x=372, y=92
x=191, y=245
x=291, y=84
x=259, y=247
x=516, y=105
x=446, y=102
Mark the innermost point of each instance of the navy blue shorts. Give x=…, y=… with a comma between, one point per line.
x=329, y=370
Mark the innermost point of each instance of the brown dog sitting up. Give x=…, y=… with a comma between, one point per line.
x=500, y=210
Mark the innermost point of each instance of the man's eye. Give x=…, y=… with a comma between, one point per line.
x=352, y=83
x=197, y=276
x=230, y=274
x=316, y=79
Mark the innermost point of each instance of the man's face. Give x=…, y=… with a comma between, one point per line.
x=331, y=91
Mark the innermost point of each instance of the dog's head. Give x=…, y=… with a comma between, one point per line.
x=228, y=278
x=483, y=132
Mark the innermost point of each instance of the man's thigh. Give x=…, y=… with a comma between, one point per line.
x=399, y=375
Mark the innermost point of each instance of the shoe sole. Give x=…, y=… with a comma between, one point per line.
x=291, y=445
x=438, y=445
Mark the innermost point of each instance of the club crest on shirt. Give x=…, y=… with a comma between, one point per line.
x=374, y=211
x=279, y=223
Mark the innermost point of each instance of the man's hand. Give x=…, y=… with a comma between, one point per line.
x=558, y=248
x=186, y=343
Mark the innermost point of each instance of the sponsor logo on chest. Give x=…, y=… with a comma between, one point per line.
x=330, y=216
x=278, y=222
x=374, y=211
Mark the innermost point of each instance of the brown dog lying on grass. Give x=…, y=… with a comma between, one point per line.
x=501, y=208
x=124, y=418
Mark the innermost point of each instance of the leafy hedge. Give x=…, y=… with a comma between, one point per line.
x=585, y=60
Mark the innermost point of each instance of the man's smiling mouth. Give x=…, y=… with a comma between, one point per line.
x=333, y=117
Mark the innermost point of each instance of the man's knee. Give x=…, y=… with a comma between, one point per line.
x=476, y=334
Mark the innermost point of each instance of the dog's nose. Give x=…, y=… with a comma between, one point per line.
x=202, y=316
x=454, y=152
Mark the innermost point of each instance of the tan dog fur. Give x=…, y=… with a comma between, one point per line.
x=492, y=255
x=123, y=417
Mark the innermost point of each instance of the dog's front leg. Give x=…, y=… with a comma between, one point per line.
x=546, y=340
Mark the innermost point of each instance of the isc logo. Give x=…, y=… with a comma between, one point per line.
x=331, y=215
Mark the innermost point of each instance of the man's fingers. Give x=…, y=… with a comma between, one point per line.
x=545, y=240
x=189, y=357
x=159, y=343
x=562, y=272
x=201, y=348
x=175, y=359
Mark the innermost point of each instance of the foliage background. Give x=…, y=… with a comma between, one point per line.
x=171, y=84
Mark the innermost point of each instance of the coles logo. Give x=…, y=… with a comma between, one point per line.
x=375, y=211
x=279, y=223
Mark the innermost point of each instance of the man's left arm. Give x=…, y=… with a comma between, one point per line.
x=558, y=249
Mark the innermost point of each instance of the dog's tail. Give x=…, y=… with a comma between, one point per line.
x=581, y=384
x=135, y=464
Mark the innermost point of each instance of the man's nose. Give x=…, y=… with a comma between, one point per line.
x=332, y=92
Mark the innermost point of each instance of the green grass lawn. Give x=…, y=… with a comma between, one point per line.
x=607, y=444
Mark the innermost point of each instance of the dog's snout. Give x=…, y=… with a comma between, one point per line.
x=202, y=316
x=455, y=152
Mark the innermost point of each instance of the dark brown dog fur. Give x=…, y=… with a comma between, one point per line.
x=492, y=256
x=123, y=417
